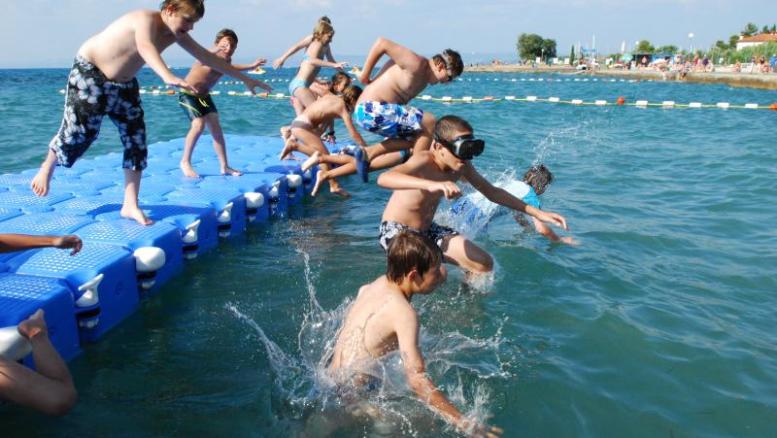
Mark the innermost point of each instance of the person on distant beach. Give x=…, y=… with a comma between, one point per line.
x=102, y=82
x=200, y=108
x=383, y=106
x=382, y=319
x=306, y=133
x=421, y=182
x=317, y=47
x=50, y=389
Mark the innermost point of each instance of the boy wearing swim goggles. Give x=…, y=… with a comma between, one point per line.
x=421, y=182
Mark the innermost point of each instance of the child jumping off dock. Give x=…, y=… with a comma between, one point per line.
x=102, y=82
x=421, y=182
x=200, y=107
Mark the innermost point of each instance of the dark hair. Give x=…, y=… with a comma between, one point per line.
x=539, y=177
x=226, y=33
x=196, y=6
x=325, y=19
x=350, y=96
x=447, y=125
x=452, y=60
x=408, y=251
x=339, y=78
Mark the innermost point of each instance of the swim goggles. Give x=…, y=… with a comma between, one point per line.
x=465, y=147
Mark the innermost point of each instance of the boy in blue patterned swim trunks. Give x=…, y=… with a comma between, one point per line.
x=102, y=82
x=383, y=106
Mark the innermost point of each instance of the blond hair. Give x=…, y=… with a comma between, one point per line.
x=322, y=28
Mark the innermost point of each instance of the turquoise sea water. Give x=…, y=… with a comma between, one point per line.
x=661, y=323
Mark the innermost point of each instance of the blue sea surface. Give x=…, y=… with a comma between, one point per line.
x=661, y=322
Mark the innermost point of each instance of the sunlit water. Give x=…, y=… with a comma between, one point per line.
x=661, y=323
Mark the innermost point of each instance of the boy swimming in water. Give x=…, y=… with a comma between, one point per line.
x=382, y=320
x=200, y=107
x=421, y=182
x=383, y=107
x=306, y=129
x=102, y=82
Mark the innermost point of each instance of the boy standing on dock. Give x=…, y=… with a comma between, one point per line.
x=102, y=82
x=200, y=108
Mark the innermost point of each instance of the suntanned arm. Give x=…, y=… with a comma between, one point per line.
x=148, y=51
x=402, y=178
x=402, y=56
x=248, y=67
x=320, y=62
x=218, y=64
x=18, y=242
x=503, y=197
x=346, y=116
x=304, y=42
x=329, y=55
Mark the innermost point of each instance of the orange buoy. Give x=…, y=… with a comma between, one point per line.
x=621, y=100
x=485, y=98
x=265, y=94
x=170, y=92
x=773, y=107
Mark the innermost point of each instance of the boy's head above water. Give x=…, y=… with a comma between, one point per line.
x=415, y=262
x=180, y=15
x=454, y=142
x=448, y=65
x=539, y=178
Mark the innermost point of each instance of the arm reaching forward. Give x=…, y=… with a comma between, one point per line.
x=402, y=56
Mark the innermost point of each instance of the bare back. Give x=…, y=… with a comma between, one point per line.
x=307, y=70
x=115, y=50
x=416, y=208
x=368, y=331
x=397, y=85
x=324, y=110
x=203, y=77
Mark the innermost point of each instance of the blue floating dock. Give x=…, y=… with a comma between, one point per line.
x=122, y=262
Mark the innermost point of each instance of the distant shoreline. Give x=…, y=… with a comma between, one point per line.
x=766, y=81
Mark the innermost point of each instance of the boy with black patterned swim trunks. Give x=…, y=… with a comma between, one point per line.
x=102, y=82
x=383, y=106
x=421, y=182
x=200, y=108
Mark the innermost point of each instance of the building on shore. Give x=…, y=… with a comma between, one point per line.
x=756, y=40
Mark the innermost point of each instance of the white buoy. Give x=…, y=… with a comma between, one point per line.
x=723, y=105
x=90, y=295
x=155, y=92
x=426, y=97
x=641, y=103
x=467, y=99
x=667, y=104
x=751, y=105
x=695, y=105
x=577, y=102
x=231, y=92
x=600, y=103
x=215, y=93
x=554, y=99
x=279, y=95
x=446, y=98
x=531, y=98
x=509, y=97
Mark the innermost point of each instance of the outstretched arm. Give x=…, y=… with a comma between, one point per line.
x=248, y=67
x=503, y=197
x=217, y=63
x=18, y=242
x=150, y=54
x=322, y=63
x=402, y=178
x=546, y=231
x=357, y=138
x=304, y=42
x=402, y=56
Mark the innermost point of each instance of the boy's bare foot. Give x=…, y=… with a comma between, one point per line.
x=40, y=184
x=310, y=162
x=135, y=214
x=320, y=178
x=230, y=171
x=337, y=190
x=188, y=170
x=33, y=326
x=288, y=147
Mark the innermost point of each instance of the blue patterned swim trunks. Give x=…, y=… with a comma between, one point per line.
x=390, y=120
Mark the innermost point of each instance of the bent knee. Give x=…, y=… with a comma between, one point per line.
x=483, y=266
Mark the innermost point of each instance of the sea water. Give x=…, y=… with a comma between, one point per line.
x=661, y=323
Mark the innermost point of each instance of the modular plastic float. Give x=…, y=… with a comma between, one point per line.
x=86, y=295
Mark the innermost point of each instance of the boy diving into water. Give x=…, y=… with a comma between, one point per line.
x=421, y=182
x=200, y=108
x=102, y=82
x=382, y=319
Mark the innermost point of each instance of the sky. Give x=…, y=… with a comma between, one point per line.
x=47, y=33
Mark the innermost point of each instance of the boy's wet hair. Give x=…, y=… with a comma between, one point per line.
x=446, y=126
x=337, y=79
x=350, y=96
x=538, y=177
x=196, y=7
x=226, y=33
x=452, y=60
x=408, y=251
x=322, y=28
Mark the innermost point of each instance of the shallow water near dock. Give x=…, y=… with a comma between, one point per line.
x=661, y=323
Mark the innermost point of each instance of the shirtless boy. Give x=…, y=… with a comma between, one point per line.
x=200, y=107
x=306, y=129
x=383, y=107
x=421, y=182
x=382, y=320
x=102, y=82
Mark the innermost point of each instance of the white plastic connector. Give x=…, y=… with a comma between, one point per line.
x=191, y=235
x=225, y=216
x=90, y=295
x=294, y=180
x=254, y=199
x=149, y=259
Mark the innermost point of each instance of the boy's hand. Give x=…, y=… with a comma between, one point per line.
x=478, y=430
x=253, y=83
x=175, y=81
x=278, y=63
x=447, y=188
x=259, y=62
x=569, y=241
x=340, y=65
x=364, y=78
x=69, y=242
x=553, y=218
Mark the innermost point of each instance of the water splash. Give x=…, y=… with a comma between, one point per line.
x=316, y=401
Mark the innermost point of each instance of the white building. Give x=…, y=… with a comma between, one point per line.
x=756, y=40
